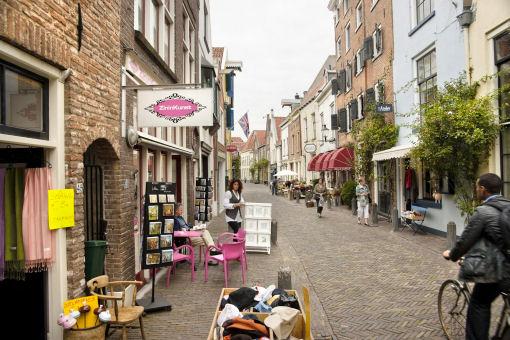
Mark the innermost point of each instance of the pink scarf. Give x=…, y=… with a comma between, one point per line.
x=38, y=239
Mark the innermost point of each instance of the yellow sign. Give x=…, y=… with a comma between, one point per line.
x=60, y=208
x=86, y=319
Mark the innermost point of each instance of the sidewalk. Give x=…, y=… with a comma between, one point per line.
x=365, y=282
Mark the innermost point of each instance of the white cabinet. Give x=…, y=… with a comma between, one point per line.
x=257, y=223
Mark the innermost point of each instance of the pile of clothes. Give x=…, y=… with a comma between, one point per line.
x=281, y=309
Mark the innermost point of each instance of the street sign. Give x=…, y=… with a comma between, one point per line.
x=310, y=148
x=384, y=108
x=231, y=148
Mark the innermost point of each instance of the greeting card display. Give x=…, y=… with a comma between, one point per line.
x=158, y=226
x=203, y=199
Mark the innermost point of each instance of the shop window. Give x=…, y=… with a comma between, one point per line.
x=347, y=37
x=23, y=102
x=502, y=60
x=505, y=159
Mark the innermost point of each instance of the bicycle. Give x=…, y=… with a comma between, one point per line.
x=452, y=302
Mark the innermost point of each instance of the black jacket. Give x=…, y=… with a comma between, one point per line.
x=483, y=224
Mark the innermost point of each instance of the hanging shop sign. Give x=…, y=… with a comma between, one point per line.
x=231, y=148
x=60, y=208
x=384, y=108
x=175, y=107
x=310, y=148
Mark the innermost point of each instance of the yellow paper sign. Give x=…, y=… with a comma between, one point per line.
x=88, y=319
x=60, y=208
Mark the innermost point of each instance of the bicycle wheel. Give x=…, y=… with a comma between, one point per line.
x=452, y=304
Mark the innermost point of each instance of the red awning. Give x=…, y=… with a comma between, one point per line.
x=325, y=162
x=311, y=164
x=342, y=159
x=320, y=160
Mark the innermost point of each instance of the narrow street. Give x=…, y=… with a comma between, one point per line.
x=365, y=282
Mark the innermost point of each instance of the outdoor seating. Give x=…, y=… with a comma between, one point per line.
x=121, y=306
x=234, y=251
x=181, y=254
x=414, y=219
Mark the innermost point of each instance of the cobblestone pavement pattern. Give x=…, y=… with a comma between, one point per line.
x=365, y=282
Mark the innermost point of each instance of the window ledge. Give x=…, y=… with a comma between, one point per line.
x=373, y=5
x=428, y=204
x=423, y=22
x=376, y=56
x=358, y=73
x=357, y=28
x=155, y=55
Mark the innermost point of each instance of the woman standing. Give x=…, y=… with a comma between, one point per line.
x=319, y=190
x=232, y=203
x=362, y=193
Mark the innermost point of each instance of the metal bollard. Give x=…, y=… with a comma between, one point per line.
x=298, y=197
x=394, y=219
x=374, y=215
x=274, y=232
x=284, y=278
x=451, y=235
x=354, y=206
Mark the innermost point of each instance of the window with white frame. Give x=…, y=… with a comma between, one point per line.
x=360, y=106
x=313, y=126
x=379, y=92
x=138, y=15
x=359, y=62
x=349, y=122
x=322, y=118
x=377, y=40
x=188, y=61
x=346, y=6
x=169, y=33
x=153, y=24
x=359, y=14
x=427, y=76
x=305, y=123
x=347, y=37
x=423, y=9
x=348, y=78
x=339, y=46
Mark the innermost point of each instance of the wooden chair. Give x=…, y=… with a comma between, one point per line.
x=123, y=313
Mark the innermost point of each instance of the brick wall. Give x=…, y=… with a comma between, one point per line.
x=47, y=30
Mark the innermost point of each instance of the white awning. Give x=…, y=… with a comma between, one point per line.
x=144, y=138
x=399, y=151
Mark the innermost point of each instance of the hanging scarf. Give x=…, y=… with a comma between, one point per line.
x=13, y=203
x=38, y=239
x=2, y=225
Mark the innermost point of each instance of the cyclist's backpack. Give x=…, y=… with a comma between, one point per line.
x=504, y=225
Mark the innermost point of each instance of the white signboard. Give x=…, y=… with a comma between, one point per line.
x=179, y=107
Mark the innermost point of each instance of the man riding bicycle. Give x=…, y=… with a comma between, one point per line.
x=483, y=235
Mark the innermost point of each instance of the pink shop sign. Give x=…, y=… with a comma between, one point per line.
x=186, y=107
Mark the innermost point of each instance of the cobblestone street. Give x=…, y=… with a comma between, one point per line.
x=365, y=282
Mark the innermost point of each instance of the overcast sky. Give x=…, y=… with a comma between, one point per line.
x=282, y=44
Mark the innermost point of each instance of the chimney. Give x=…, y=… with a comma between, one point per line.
x=296, y=96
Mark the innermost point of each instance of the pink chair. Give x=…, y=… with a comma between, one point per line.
x=229, y=252
x=241, y=235
x=180, y=257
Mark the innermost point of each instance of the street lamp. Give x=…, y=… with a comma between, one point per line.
x=324, y=131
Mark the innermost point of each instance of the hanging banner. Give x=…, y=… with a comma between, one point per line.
x=60, y=208
x=179, y=107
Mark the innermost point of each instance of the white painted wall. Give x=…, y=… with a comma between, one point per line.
x=443, y=33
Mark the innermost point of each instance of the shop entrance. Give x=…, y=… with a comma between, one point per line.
x=25, y=298
x=384, y=187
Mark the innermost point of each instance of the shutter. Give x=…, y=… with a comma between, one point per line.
x=354, y=109
x=334, y=86
x=370, y=101
x=341, y=81
x=368, y=49
x=334, y=122
x=342, y=120
x=361, y=108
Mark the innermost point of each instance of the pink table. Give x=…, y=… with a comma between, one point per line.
x=192, y=233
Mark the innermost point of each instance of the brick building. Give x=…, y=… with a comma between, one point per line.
x=60, y=63
x=364, y=51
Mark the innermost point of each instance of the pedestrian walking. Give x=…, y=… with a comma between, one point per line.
x=274, y=184
x=319, y=190
x=362, y=192
x=232, y=203
x=486, y=239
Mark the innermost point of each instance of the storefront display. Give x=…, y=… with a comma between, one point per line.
x=203, y=199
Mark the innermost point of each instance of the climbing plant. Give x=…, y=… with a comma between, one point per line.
x=456, y=131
